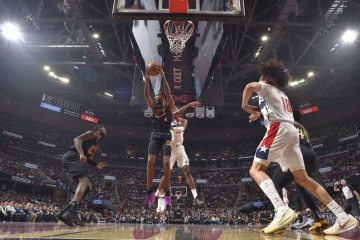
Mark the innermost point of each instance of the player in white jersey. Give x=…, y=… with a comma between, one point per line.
x=161, y=206
x=281, y=144
x=178, y=154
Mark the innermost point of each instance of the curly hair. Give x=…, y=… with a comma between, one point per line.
x=276, y=71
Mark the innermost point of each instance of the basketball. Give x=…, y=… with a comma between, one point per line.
x=151, y=67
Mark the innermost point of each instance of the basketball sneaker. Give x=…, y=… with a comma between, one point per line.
x=318, y=227
x=309, y=222
x=198, y=202
x=60, y=217
x=149, y=200
x=72, y=217
x=296, y=225
x=167, y=201
x=283, y=217
x=339, y=227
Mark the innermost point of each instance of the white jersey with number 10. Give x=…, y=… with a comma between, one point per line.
x=274, y=105
x=177, y=135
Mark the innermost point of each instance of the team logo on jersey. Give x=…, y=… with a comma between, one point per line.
x=263, y=150
x=92, y=150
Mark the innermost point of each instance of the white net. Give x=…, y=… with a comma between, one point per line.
x=178, y=33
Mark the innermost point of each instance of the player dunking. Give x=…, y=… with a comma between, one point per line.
x=178, y=153
x=283, y=179
x=80, y=153
x=163, y=106
x=281, y=144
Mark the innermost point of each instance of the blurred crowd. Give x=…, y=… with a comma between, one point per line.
x=224, y=165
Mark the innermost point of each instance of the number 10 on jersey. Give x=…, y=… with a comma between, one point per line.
x=287, y=105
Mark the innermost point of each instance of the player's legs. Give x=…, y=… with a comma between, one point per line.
x=70, y=212
x=283, y=214
x=355, y=206
x=173, y=158
x=77, y=171
x=344, y=221
x=281, y=179
x=166, y=150
x=153, y=151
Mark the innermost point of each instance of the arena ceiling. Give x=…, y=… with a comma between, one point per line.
x=305, y=34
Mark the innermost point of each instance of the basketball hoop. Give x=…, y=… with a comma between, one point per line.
x=178, y=32
x=178, y=194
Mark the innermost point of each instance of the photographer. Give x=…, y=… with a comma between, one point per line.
x=349, y=193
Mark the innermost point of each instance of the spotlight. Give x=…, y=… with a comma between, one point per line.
x=52, y=74
x=109, y=94
x=11, y=31
x=64, y=80
x=46, y=68
x=349, y=36
x=96, y=36
x=264, y=38
x=310, y=74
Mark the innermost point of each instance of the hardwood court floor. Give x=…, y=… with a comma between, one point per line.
x=154, y=232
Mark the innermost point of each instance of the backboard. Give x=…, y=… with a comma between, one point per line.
x=228, y=11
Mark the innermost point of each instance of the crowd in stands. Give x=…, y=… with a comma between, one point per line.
x=222, y=164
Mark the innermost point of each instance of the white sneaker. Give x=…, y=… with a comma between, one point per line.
x=283, y=217
x=309, y=222
x=339, y=227
x=295, y=225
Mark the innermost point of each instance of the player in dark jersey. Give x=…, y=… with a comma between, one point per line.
x=81, y=152
x=163, y=107
x=284, y=179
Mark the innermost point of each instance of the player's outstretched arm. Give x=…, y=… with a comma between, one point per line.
x=183, y=109
x=250, y=88
x=336, y=189
x=148, y=99
x=167, y=91
x=78, y=143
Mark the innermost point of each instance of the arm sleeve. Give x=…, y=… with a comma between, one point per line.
x=265, y=89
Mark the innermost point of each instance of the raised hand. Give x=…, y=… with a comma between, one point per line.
x=101, y=165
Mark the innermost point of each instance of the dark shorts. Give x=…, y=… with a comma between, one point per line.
x=158, y=144
x=284, y=179
x=309, y=156
x=71, y=163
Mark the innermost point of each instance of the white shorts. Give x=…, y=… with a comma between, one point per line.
x=160, y=208
x=179, y=156
x=280, y=144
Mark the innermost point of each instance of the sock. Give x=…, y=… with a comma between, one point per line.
x=167, y=192
x=194, y=192
x=269, y=189
x=149, y=191
x=317, y=216
x=300, y=218
x=157, y=193
x=338, y=211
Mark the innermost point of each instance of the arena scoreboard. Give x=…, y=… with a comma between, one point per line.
x=67, y=107
x=306, y=108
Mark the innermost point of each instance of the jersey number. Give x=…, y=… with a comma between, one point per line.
x=287, y=105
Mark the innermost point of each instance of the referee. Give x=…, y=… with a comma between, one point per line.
x=349, y=193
